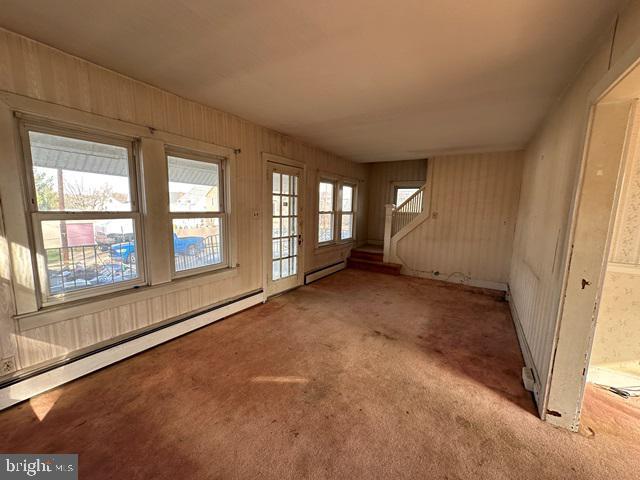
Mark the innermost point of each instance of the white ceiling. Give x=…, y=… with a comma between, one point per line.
x=370, y=80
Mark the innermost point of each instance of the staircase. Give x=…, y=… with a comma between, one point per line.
x=399, y=221
x=402, y=219
x=370, y=257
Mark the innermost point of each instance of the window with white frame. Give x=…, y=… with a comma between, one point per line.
x=197, y=211
x=336, y=212
x=402, y=194
x=84, y=211
x=346, y=211
x=326, y=211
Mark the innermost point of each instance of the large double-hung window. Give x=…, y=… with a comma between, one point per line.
x=326, y=211
x=197, y=211
x=336, y=211
x=83, y=201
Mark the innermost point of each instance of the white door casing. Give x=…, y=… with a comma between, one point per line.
x=283, y=232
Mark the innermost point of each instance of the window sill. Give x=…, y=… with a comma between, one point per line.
x=63, y=311
x=219, y=268
x=333, y=246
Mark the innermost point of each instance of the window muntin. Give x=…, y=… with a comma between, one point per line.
x=284, y=234
x=84, y=212
x=196, y=208
x=336, y=213
x=346, y=212
x=326, y=211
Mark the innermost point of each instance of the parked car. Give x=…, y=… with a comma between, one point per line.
x=125, y=251
x=187, y=245
x=106, y=241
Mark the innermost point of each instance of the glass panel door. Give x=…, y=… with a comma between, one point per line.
x=285, y=235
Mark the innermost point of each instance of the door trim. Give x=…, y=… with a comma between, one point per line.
x=265, y=208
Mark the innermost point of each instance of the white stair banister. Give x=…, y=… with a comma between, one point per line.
x=406, y=212
x=398, y=217
x=388, y=222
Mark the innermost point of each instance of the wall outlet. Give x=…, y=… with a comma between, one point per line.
x=7, y=365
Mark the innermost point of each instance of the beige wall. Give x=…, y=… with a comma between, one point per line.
x=34, y=70
x=468, y=236
x=381, y=178
x=551, y=170
x=617, y=339
x=7, y=309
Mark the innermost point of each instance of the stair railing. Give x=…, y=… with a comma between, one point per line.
x=398, y=217
x=404, y=213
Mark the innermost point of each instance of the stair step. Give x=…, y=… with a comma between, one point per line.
x=367, y=255
x=374, y=266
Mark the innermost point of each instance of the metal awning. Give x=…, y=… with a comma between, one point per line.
x=52, y=151
x=182, y=170
x=64, y=153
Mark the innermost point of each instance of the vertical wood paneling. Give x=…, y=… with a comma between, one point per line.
x=31, y=69
x=550, y=172
x=8, y=345
x=473, y=210
x=551, y=168
x=381, y=177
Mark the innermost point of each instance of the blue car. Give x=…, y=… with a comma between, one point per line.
x=125, y=251
x=187, y=245
x=181, y=246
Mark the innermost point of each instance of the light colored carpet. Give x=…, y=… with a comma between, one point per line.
x=360, y=375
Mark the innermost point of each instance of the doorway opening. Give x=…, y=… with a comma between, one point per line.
x=612, y=390
x=596, y=368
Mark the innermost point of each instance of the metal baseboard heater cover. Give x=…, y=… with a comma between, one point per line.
x=23, y=387
x=323, y=272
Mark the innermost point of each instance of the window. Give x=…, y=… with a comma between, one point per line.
x=326, y=205
x=346, y=212
x=197, y=210
x=84, y=209
x=402, y=194
x=336, y=213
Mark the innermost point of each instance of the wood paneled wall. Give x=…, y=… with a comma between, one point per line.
x=551, y=170
x=473, y=205
x=381, y=178
x=34, y=70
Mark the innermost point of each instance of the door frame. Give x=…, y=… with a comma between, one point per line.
x=561, y=403
x=266, y=250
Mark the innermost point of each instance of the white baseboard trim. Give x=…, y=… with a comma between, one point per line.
x=524, y=348
x=323, y=272
x=41, y=382
x=472, y=282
